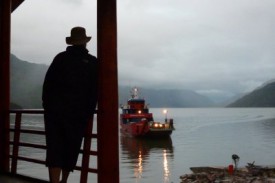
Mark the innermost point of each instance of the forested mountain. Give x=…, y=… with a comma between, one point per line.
x=26, y=83
x=261, y=97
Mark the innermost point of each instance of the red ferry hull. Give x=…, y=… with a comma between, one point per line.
x=149, y=134
x=137, y=121
x=141, y=129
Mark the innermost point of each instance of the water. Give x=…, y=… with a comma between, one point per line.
x=203, y=137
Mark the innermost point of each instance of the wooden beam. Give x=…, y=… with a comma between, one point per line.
x=108, y=142
x=5, y=24
x=15, y=4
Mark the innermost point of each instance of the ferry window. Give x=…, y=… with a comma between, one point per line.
x=131, y=111
x=125, y=121
x=150, y=119
x=135, y=120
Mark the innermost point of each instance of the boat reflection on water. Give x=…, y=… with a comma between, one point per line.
x=142, y=154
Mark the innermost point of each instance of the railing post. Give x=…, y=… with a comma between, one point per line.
x=107, y=125
x=5, y=20
x=16, y=139
x=86, y=152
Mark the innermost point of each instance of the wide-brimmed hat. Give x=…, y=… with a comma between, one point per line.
x=78, y=36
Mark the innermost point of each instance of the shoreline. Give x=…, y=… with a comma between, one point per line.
x=249, y=174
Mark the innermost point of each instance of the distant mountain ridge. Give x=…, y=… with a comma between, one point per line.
x=167, y=97
x=263, y=96
x=27, y=81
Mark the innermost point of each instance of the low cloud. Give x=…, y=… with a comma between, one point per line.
x=211, y=45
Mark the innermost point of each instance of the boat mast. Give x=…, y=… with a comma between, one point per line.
x=134, y=93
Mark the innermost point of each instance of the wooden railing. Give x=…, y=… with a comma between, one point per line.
x=16, y=143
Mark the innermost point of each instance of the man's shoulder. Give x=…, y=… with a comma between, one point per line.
x=92, y=59
x=62, y=54
x=66, y=56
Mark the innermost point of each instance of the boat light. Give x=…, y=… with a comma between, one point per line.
x=165, y=111
x=156, y=125
x=139, y=111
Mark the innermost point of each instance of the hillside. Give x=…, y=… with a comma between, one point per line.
x=261, y=97
x=26, y=83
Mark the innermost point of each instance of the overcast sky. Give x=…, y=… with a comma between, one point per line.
x=217, y=47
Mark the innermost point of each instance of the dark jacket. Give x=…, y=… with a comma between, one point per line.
x=70, y=84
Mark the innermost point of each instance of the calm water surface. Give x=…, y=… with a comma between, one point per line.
x=203, y=137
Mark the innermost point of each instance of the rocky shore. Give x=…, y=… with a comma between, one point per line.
x=249, y=174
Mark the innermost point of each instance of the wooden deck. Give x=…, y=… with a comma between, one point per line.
x=6, y=178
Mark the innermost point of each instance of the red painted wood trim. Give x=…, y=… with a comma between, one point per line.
x=16, y=3
x=5, y=24
x=16, y=141
x=86, y=153
x=108, y=159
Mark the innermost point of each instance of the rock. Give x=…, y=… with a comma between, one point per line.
x=251, y=174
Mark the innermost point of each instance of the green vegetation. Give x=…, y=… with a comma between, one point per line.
x=26, y=83
x=262, y=97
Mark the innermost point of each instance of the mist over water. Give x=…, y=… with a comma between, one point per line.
x=203, y=137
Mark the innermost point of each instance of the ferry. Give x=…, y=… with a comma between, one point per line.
x=137, y=121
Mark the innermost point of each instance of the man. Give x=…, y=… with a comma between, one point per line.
x=69, y=99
